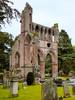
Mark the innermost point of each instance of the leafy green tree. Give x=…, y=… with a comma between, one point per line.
x=64, y=52
x=65, y=46
x=7, y=12
x=6, y=42
x=73, y=48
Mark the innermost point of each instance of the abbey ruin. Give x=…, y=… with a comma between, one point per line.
x=33, y=45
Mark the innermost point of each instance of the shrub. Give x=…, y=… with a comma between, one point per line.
x=58, y=82
x=30, y=78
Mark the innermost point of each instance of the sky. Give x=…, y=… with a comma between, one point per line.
x=47, y=12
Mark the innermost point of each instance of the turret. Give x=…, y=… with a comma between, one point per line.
x=55, y=33
x=26, y=19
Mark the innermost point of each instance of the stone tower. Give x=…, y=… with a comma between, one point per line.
x=26, y=19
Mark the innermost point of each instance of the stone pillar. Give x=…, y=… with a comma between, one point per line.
x=55, y=34
x=42, y=69
x=54, y=70
x=54, y=60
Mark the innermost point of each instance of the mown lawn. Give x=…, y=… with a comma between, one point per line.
x=26, y=93
x=30, y=93
x=60, y=92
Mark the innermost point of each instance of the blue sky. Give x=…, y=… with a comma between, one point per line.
x=48, y=12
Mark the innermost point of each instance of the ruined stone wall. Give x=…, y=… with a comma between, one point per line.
x=29, y=47
x=17, y=48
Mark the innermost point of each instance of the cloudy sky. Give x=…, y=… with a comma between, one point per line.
x=48, y=12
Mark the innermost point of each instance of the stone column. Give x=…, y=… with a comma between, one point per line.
x=42, y=69
x=54, y=60
x=54, y=70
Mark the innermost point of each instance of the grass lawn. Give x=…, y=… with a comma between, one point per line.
x=61, y=93
x=30, y=93
x=27, y=93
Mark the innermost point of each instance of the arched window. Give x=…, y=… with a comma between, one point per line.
x=32, y=27
x=17, y=59
x=30, y=15
x=37, y=28
x=28, y=38
x=38, y=59
x=41, y=30
x=49, y=31
x=45, y=30
x=53, y=37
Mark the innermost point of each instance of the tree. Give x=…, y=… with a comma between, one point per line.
x=7, y=12
x=73, y=48
x=6, y=42
x=64, y=52
x=65, y=45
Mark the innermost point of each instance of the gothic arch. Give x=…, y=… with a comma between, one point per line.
x=37, y=28
x=41, y=54
x=28, y=38
x=51, y=52
x=45, y=30
x=49, y=31
x=38, y=59
x=41, y=30
x=33, y=28
x=17, y=60
x=48, y=65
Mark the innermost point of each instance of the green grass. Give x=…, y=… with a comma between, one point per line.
x=27, y=93
x=30, y=93
x=60, y=92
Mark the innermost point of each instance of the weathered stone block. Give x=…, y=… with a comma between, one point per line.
x=49, y=90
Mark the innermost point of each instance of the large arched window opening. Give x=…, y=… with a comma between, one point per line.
x=28, y=38
x=38, y=59
x=41, y=30
x=17, y=59
x=45, y=30
x=32, y=27
x=53, y=37
x=48, y=65
x=49, y=31
x=37, y=28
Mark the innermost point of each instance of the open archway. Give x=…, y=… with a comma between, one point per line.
x=48, y=65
